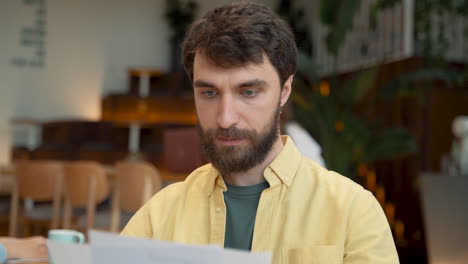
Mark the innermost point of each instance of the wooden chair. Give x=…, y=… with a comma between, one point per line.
x=135, y=183
x=39, y=181
x=86, y=185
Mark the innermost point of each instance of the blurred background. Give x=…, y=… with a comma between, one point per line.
x=382, y=87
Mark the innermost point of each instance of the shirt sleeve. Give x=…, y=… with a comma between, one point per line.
x=369, y=238
x=140, y=224
x=3, y=253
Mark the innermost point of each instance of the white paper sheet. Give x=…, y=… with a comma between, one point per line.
x=105, y=238
x=107, y=248
x=126, y=255
x=62, y=253
x=115, y=249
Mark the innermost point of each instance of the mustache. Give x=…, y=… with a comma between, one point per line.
x=231, y=133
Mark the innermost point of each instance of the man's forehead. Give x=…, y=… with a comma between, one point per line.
x=203, y=58
x=206, y=70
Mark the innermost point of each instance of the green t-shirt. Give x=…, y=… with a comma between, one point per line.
x=241, y=210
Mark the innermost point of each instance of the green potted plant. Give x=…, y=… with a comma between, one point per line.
x=179, y=14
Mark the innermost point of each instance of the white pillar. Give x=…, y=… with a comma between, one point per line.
x=34, y=136
x=408, y=28
x=460, y=130
x=134, y=138
x=144, y=83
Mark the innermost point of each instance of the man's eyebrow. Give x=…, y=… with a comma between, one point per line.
x=246, y=84
x=252, y=83
x=203, y=84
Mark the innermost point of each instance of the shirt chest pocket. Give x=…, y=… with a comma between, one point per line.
x=314, y=255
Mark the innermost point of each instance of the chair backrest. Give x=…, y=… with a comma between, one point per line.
x=86, y=185
x=39, y=180
x=85, y=180
x=136, y=182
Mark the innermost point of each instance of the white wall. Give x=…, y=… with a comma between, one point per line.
x=90, y=45
x=5, y=84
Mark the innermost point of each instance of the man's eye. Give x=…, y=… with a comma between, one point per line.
x=249, y=93
x=209, y=93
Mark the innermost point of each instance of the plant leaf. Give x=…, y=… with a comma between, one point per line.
x=391, y=143
x=327, y=11
x=341, y=24
x=403, y=84
x=357, y=87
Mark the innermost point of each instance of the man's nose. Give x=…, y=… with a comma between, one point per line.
x=227, y=112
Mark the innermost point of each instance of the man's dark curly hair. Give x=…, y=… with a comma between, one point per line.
x=238, y=34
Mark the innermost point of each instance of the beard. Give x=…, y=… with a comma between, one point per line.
x=234, y=159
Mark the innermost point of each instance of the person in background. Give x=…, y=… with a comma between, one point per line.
x=259, y=193
x=22, y=248
x=306, y=144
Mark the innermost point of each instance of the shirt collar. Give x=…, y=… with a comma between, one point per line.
x=284, y=167
x=282, y=170
x=214, y=178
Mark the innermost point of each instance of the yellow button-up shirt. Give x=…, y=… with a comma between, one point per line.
x=307, y=215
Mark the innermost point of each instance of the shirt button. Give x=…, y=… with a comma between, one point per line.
x=287, y=179
x=218, y=210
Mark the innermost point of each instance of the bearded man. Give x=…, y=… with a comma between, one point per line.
x=258, y=193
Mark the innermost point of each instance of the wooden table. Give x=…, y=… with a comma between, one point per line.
x=27, y=261
x=32, y=262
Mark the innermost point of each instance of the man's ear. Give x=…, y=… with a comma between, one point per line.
x=286, y=91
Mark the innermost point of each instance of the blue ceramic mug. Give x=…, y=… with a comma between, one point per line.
x=66, y=236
